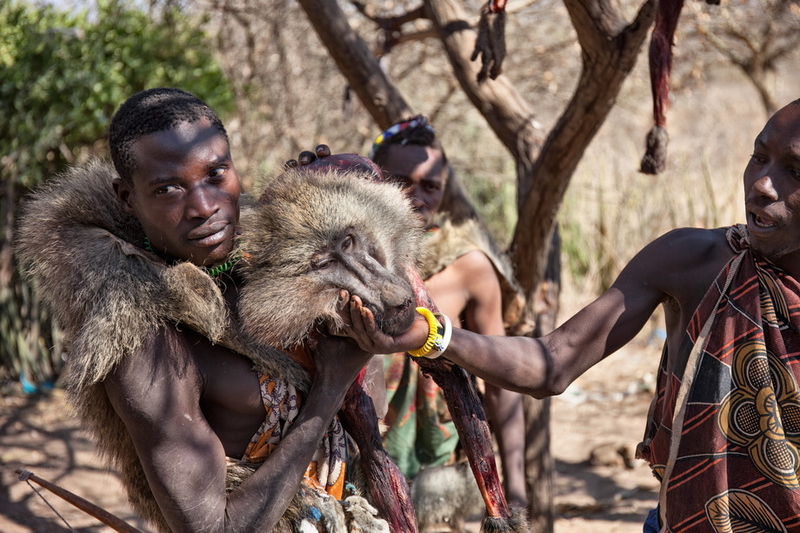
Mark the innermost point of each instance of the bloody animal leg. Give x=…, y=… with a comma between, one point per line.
x=473, y=430
x=660, y=55
x=387, y=485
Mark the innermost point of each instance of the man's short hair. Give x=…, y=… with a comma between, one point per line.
x=414, y=132
x=152, y=111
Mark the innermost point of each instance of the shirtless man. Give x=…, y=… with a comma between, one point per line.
x=190, y=405
x=723, y=433
x=468, y=287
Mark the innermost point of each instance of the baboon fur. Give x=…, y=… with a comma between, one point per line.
x=303, y=213
x=445, y=497
x=454, y=239
x=107, y=294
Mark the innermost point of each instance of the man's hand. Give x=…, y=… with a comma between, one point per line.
x=306, y=157
x=338, y=360
x=360, y=325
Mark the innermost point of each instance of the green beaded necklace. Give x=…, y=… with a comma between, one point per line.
x=211, y=271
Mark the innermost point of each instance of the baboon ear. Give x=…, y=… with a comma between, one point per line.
x=123, y=192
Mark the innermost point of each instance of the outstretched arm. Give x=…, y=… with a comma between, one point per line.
x=680, y=265
x=157, y=392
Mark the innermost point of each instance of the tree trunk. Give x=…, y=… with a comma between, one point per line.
x=609, y=50
x=355, y=61
x=757, y=74
x=610, y=47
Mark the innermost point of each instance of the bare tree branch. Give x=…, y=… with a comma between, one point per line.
x=389, y=23
x=610, y=47
x=356, y=62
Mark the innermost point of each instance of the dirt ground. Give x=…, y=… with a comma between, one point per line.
x=602, y=412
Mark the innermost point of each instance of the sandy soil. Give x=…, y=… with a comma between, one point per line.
x=602, y=412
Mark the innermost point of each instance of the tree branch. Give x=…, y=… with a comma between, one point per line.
x=389, y=23
x=610, y=47
x=609, y=50
x=353, y=58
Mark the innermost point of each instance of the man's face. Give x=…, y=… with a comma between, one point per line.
x=772, y=190
x=185, y=192
x=422, y=173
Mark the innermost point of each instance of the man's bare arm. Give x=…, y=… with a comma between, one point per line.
x=677, y=265
x=540, y=367
x=157, y=393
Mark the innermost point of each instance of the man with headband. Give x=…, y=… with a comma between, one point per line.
x=462, y=277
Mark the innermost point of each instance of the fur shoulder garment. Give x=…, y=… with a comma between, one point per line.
x=453, y=240
x=108, y=294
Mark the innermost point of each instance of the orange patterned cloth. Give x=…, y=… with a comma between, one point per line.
x=282, y=404
x=724, y=431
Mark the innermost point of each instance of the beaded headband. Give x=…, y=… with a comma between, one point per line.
x=418, y=121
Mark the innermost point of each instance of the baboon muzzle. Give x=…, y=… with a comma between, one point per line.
x=386, y=294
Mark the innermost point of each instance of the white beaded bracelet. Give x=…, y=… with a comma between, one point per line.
x=441, y=343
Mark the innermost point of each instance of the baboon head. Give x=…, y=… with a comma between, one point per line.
x=316, y=231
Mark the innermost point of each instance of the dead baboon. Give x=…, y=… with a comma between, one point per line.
x=314, y=233
x=317, y=230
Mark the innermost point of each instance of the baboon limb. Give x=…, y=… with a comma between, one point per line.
x=490, y=44
x=360, y=421
x=660, y=55
x=473, y=430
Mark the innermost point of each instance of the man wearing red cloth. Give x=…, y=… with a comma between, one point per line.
x=723, y=434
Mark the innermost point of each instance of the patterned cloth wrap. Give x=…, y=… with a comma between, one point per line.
x=282, y=402
x=724, y=428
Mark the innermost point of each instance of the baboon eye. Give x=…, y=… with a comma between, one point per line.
x=347, y=242
x=322, y=264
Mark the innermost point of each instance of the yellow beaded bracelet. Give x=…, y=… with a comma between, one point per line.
x=433, y=331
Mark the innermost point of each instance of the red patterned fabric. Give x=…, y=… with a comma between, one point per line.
x=724, y=431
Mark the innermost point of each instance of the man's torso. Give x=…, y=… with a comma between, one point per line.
x=230, y=396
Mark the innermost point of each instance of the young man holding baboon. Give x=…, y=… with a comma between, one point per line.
x=463, y=281
x=723, y=434
x=139, y=266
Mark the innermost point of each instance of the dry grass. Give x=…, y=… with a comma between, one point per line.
x=611, y=210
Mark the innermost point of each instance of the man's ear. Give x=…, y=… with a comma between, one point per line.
x=123, y=192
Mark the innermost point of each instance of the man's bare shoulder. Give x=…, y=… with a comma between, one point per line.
x=693, y=245
x=159, y=369
x=473, y=263
x=685, y=259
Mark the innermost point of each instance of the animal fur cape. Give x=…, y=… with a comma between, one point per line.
x=108, y=294
x=454, y=239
